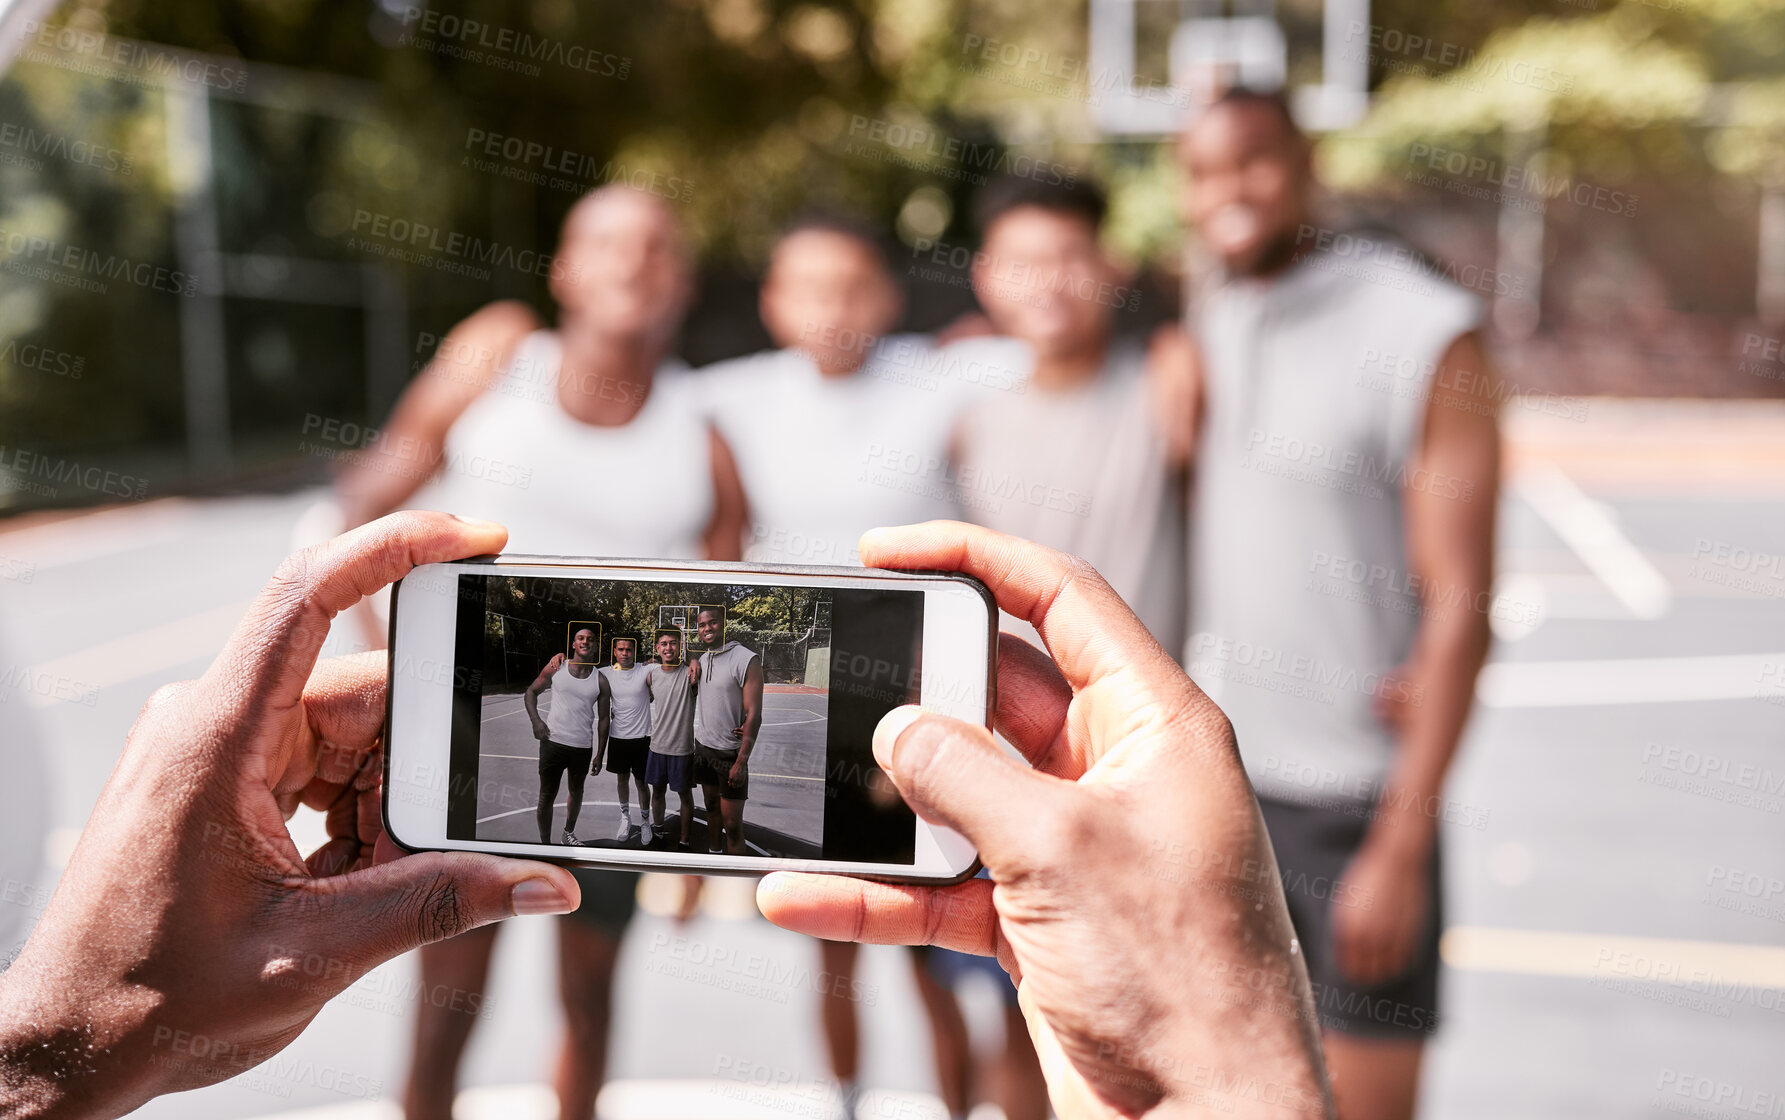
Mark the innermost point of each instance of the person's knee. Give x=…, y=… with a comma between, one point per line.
x=1373, y=1079
x=441, y=1034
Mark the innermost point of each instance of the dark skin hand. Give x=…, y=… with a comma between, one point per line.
x=1134, y=899
x=187, y=912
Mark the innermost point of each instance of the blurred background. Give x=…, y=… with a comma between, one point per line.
x=205, y=256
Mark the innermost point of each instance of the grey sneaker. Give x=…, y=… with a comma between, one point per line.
x=644, y=831
x=570, y=839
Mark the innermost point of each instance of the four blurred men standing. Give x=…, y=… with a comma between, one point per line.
x=1333, y=408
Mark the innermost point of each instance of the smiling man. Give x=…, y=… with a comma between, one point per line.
x=728, y=678
x=1348, y=724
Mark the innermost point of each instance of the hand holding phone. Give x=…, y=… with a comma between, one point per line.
x=1136, y=898
x=191, y=829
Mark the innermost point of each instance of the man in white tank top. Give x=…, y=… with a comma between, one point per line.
x=516, y=424
x=1342, y=524
x=570, y=731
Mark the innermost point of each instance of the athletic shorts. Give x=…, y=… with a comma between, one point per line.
x=1314, y=845
x=673, y=770
x=627, y=756
x=609, y=898
x=556, y=758
x=713, y=768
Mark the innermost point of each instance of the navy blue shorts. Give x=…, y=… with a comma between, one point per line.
x=673, y=770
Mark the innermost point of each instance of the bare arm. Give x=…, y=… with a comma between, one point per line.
x=603, y=701
x=1450, y=499
x=408, y=450
x=531, y=697
x=752, y=709
x=724, y=537
x=1175, y=374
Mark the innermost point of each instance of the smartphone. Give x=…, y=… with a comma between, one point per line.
x=538, y=704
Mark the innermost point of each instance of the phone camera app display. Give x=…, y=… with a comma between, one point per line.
x=731, y=719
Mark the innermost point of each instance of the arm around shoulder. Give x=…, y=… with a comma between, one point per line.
x=468, y=361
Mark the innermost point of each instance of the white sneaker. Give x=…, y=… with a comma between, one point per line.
x=644, y=831
x=625, y=829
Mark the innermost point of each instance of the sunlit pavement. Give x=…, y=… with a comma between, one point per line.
x=1616, y=916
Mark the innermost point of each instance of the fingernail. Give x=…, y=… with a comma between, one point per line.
x=539, y=896
x=476, y=522
x=888, y=730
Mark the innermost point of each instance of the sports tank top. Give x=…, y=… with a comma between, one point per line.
x=644, y=488
x=1301, y=462
x=571, y=716
x=630, y=707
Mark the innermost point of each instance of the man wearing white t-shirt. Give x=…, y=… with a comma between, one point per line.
x=629, y=739
x=844, y=429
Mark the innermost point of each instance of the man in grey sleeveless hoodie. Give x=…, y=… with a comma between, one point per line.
x=1346, y=452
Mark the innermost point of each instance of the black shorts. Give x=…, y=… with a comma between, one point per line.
x=627, y=756
x=713, y=768
x=609, y=898
x=1314, y=845
x=556, y=758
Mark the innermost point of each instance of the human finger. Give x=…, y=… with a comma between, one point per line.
x=840, y=908
x=270, y=656
x=1033, y=699
x=1089, y=631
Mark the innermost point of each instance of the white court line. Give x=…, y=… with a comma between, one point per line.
x=511, y=711
x=1588, y=528
x=105, y=533
x=146, y=652
x=1636, y=680
x=753, y=777
x=565, y=804
x=1721, y=967
x=640, y=1099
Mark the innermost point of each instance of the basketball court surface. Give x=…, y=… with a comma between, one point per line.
x=1602, y=940
x=784, y=815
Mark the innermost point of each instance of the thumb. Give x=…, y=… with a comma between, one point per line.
x=953, y=773
x=372, y=915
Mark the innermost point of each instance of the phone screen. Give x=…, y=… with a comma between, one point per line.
x=749, y=709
